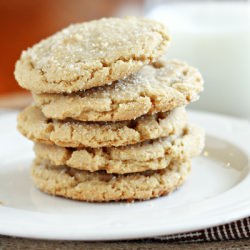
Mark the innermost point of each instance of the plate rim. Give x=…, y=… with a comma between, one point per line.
x=234, y=215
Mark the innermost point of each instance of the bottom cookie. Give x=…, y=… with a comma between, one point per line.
x=101, y=187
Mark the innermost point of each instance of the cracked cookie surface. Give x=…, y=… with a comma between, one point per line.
x=159, y=87
x=102, y=187
x=91, y=54
x=149, y=155
x=35, y=126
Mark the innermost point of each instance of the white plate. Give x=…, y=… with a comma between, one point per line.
x=216, y=192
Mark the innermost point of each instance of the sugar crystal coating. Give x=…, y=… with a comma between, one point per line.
x=69, y=133
x=91, y=54
x=102, y=187
x=148, y=155
x=159, y=87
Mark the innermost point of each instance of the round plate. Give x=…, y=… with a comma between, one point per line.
x=216, y=192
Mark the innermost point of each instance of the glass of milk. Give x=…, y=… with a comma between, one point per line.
x=215, y=38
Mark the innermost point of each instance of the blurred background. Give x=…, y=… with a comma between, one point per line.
x=213, y=36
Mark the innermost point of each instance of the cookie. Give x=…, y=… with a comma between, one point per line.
x=101, y=187
x=91, y=54
x=35, y=126
x=158, y=87
x=149, y=155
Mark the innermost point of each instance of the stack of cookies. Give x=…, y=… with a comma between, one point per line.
x=109, y=120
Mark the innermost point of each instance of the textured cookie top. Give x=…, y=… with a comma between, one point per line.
x=158, y=87
x=149, y=155
x=91, y=54
x=34, y=125
x=100, y=186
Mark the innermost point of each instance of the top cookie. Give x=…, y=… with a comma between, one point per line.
x=158, y=87
x=91, y=54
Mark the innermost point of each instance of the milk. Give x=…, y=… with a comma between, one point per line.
x=215, y=38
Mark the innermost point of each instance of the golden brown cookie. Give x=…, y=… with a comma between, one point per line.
x=149, y=155
x=159, y=87
x=102, y=187
x=91, y=54
x=35, y=126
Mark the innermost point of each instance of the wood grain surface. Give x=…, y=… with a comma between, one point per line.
x=9, y=243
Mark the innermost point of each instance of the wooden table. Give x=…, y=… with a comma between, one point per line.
x=8, y=243
x=20, y=100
